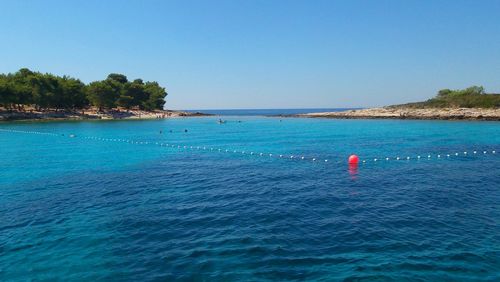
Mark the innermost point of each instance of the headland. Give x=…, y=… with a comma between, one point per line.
x=464, y=104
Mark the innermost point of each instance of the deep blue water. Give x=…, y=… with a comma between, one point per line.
x=268, y=112
x=85, y=209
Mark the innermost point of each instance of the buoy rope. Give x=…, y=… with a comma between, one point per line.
x=297, y=157
x=431, y=156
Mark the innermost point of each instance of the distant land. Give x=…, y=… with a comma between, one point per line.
x=466, y=104
x=267, y=112
x=29, y=95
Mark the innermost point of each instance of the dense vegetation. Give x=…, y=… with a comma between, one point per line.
x=472, y=97
x=47, y=91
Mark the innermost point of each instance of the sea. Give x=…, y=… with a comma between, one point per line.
x=268, y=112
x=255, y=198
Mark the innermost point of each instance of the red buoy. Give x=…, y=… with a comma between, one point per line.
x=353, y=159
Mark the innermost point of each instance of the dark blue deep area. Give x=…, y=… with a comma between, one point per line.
x=79, y=209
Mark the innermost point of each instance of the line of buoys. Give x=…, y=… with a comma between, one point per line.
x=243, y=152
x=428, y=157
x=30, y=132
x=196, y=148
x=352, y=159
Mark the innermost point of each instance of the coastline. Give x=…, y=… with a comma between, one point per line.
x=479, y=114
x=92, y=114
x=389, y=112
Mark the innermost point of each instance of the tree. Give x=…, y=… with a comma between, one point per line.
x=45, y=90
x=156, y=96
x=444, y=92
x=473, y=90
x=6, y=93
x=120, y=78
x=73, y=91
x=101, y=94
x=137, y=92
x=22, y=88
x=125, y=101
x=128, y=93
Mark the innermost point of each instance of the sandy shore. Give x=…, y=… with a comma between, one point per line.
x=92, y=114
x=409, y=113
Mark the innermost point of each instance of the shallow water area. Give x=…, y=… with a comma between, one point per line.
x=110, y=200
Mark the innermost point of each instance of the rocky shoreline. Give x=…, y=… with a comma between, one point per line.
x=412, y=113
x=91, y=114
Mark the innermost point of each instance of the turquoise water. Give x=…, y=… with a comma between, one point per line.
x=83, y=208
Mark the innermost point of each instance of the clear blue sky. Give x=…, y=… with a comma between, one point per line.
x=262, y=54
